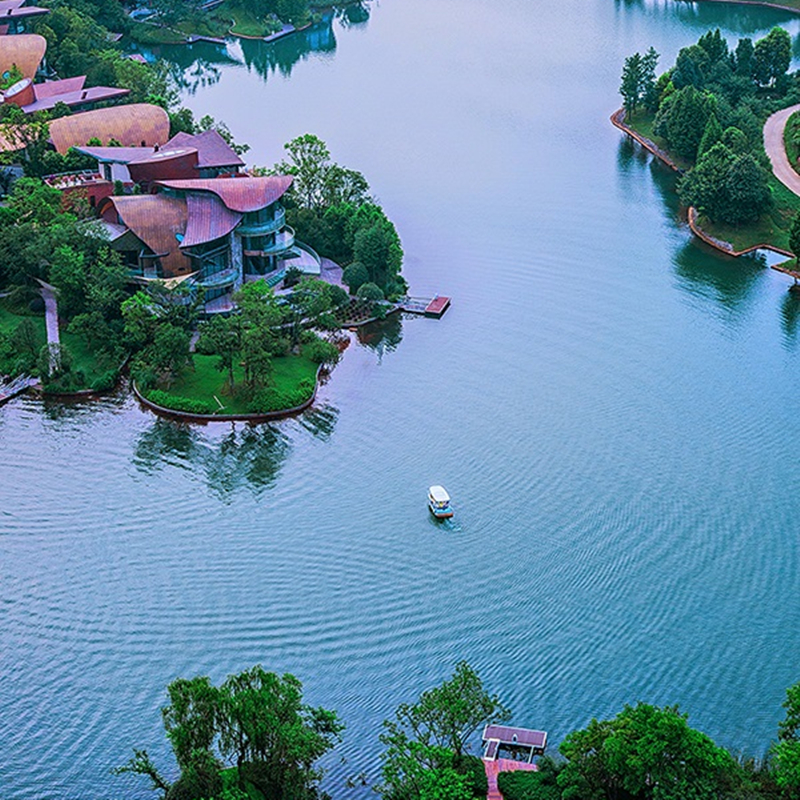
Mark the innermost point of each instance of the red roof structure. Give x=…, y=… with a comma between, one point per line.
x=212, y=150
x=244, y=194
x=74, y=99
x=208, y=219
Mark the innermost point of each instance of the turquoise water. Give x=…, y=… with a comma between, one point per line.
x=611, y=406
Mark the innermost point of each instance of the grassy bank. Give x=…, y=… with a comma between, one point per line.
x=83, y=360
x=772, y=227
x=202, y=384
x=245, y=23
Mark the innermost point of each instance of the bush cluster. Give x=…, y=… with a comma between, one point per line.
x=176, y=403
x=269, y=400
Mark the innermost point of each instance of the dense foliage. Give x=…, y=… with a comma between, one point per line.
x=330, y=208
x=255, y=721
x=709, y=108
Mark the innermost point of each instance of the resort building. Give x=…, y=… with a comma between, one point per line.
x=23, y=54
x=14, y=15
x=215, y=233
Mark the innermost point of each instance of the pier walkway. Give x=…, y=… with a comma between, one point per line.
x=16, y=387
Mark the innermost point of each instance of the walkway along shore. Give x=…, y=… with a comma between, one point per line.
x=618, y=120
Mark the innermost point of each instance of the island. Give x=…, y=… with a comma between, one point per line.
x=135, y=237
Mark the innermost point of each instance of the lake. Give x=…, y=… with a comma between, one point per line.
x=610, y=404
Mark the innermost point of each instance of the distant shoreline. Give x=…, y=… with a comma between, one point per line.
x=762, y=3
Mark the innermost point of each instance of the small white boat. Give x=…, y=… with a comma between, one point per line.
x=439, y=502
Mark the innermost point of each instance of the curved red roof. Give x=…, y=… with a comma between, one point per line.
x=208, y=220
x=238, y=194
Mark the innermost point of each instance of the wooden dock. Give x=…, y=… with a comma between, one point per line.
x=426, y=306
x=10, y=390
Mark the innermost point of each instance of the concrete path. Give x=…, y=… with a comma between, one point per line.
x=776, y=150
x=51, y=322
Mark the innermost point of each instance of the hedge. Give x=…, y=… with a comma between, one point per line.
x=176, y=403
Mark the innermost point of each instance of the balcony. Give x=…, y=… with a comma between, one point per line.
x=225, y=277
x=283, y=241
x=264, y=228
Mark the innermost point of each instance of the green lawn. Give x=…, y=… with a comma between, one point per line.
x=245, y=22
x=205, y=381
x=82, y=358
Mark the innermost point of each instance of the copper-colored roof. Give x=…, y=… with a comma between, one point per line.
x=243, y=194
x=52, y=88
x=15, y=9
x=213, y=150
x=157, y=220
x=117, y=155
x=94, y=94
x=208, y=220
x=26, y=50
x=136, y=125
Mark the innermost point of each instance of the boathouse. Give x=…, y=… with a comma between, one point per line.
x=518, y=744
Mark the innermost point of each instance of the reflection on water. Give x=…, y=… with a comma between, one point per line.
x=729, y=282
x=790, y=316
x=246, y=457
x=382, y=337
x=320, y=421
x=266, y=58
x=355, y=15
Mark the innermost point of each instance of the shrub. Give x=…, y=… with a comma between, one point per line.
x=292, y=277
x=472, y=766
x=176, y=403
x=269, y=400
x=354, y=276
x=104, y=382
x=528, y=786
x=321, y=351
x=370, y=291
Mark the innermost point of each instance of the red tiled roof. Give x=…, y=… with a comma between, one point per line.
x=52, y=88
x=208, y=220
x=92, y=95
x=243, y=194
x=117, y=155
x=138, y=124
x=212, y=149
x=156, y=220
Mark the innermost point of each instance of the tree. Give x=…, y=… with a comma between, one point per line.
x=265, y=725
x=714, y=44
x=260, y=319
x=371, y=292
x=309, y=162
x=648, y=753
x=223, y=337
x=712, y=134
x=448, y=715
x=786, y=751
x=743, y=59
x=639, y=81
x=354, y=276
x=688, y=114
x=691, y=66
x=378, y=248
x=169, y=353
x=142, y=764
x=746, y=191
x=772, y=56
x=190, y=717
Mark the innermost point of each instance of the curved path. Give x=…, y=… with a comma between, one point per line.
x=776, y=150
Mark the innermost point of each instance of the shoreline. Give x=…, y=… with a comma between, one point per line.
x=267, y=416
x=618, y=121
x=761, y=3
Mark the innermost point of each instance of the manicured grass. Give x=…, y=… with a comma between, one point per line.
x=9, y=321
x=82, y=357
x=772, y=228
x=205, y=381
x=246, y=23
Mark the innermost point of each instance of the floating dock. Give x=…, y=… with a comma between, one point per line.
x=10, y=390
x=426, y=306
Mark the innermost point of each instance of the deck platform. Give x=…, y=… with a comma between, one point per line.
x=426, y=306
x=16, y=387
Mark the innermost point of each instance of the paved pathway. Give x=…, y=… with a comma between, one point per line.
x=773, y=144
x=51, y=321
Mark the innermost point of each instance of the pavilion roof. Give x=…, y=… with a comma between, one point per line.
x=208, y=219
x=524, y=737
x=26, y=50
x=243, y=194
x=93, y=94
x=157, y=220
x=138, y=124
x=16, y=9
x=212, y=149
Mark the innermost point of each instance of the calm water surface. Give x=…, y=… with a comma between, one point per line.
x=612, y=406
